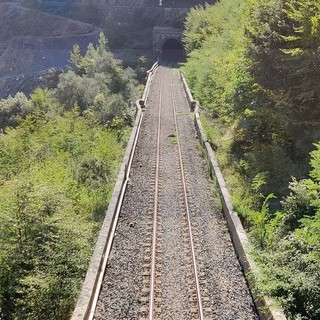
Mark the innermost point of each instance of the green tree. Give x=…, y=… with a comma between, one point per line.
x=76, y=60
x=58, y=163
x=291, y=264
x=13, y=109
x=97, y=82
x=253, y=65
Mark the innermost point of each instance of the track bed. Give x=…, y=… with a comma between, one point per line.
x=172, y=256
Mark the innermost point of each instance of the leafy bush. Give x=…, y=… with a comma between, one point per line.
x=291, y=262
x=13, y=109
x=253, y=65
x=59, y=154
x=97, y=82
x=55, y=182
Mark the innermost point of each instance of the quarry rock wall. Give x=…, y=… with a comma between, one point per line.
x=124, y=11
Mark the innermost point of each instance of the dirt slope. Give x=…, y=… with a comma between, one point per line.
x=32, y=42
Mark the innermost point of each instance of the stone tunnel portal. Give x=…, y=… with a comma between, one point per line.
x=172, y=50
x=167, y=44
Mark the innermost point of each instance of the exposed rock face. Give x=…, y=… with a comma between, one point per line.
x=148, y=3
x=129, y=3
x=123, y=11
x=33, y=42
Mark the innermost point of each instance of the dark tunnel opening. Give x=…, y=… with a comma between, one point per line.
x=172, y=50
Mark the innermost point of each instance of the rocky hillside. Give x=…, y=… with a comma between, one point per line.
x=32, y=43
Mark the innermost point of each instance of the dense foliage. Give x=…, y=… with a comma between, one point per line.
x=254, y=65
x=59, y=153
x=98, y=81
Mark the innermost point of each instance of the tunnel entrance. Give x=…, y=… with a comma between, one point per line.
x=172, y=50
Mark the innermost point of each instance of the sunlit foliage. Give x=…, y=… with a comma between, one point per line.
x=58, y=161
x=99, y=83
x=254, y=67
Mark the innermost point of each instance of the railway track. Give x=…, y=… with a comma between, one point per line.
x=153, y=284
x=172, y=257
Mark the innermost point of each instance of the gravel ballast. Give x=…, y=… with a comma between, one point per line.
x=223, y=282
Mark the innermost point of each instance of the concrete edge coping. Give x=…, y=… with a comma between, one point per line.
x=150, y=73
x=266, y=307
x=87, y=300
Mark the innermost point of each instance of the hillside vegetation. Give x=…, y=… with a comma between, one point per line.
x=254, y=66
x=59, y=155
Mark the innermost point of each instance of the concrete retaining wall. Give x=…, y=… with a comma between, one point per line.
x=87, y=300
x=265, y=306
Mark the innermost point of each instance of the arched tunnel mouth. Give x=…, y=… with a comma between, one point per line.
x=172, y=50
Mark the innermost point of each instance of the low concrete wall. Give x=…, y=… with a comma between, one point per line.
x=147, y=87
x=88, y=298
x=265, y=306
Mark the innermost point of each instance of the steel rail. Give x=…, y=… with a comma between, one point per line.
x=194, y=263
x=155, y=212
x=114, y=225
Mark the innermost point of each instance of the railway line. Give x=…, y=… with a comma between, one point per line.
x=152, y=273
x=172, y=257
